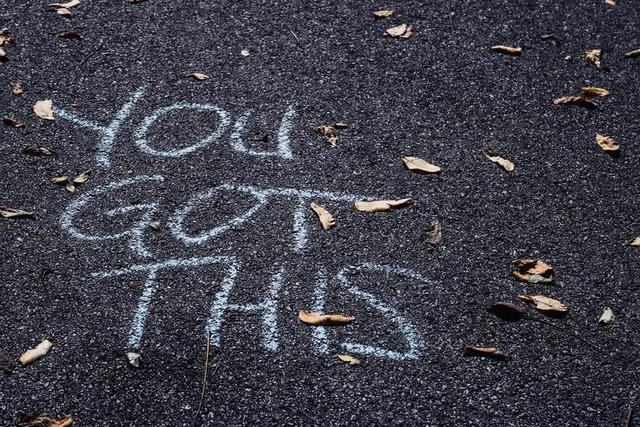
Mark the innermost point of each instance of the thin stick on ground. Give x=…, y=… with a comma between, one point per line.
x=206, y=369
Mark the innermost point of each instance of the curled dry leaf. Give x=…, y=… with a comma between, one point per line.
x=595, y=57
x=326, y=219
x=633, y=242
x=532, y=271
x=607, y=143
x=509, y=50
x=6, y=212
x=34, y=354
x=607, y=317
x=402, y=31
x=349, y=359
x=69, y=34
x=433, y=236
x=498, y=159
x=134, y=359
x=82, y=178
x=198, y=76
x=10, y=121
x=384, y=13
x=492, y=352
x=34, y=150
x=65, y=13
x=382, y=205
x=545, y=304
x=594, y=91
x=17, y=89
x=60, y=180
x=506, y=311
x=419, y=165
x=319, y=319
x=36, y=421
x=632, y=53
x=328, y=132
x=67, y=5
x=44, y=109
x=575, y=100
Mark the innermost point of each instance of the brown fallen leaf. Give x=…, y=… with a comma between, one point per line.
x=319, y=319
x=532, y=271
x=509, y=50
x=575, y=100
x=607, y=143
x=633, y=242
x=349, y=359
x=69, y=34
x=198, y=76
x=34, y=150
x=594, y=91
x=67, y=5
x=36, y=421
x=65, y=13
x=17, y=89
x=419, y=165
x=44, y=109
x=10, y=121
x=382, y=205
x=402, y=31
x=60, y=180
x=543, y=303
x=632, y=53
x=326, y=219
x=328, y=132
x=492, y=352
x=506, y=311
x=384, y=13
x=498, y=159
x=36, y=353
x=6, y=212
x=82, y=178
x=595, y=57
x=433, y=236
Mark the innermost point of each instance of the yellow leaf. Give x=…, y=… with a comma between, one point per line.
x=67, y=5
x=509, y=50
x=594, y=91
x=382, y=205
x=34, y=354
x=607, y=143
x=44, y=109
x=496, y=158
x=403, y=31
x=349, y=359
x=543, y=303
x=198, y=76
x=326, y=219
x=319, y=319
x=420, y=165
x=384, y=13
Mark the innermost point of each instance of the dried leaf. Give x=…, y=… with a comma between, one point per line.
x=328, y=132
x=10, y=121
x=326, y=219
x=492, y=352
x=506, y=311
x=340, y=125
x=498, y=159
x=633, y=242
x=434, y=235
x=82, y=178
x=419, y=165
x=575, y=100
x=319, y=319
x=594, y=91
x=5, y=37
x=607, y=143
x=69, y=34
x=17, y=89
x=3, y=54
x=34, y=354
x=60, y=180
x=532, y=271
x=34, y=150
x=6, y=212
x=384, y=13
x=154, y=225
x=44, y=109
x=382, y=205
x=198, y=76
x=349, y=359
x=134, y=359
x=67, y=5
x=403, y=31
x=35, y=421
x=632, y=53
x=509, y=50
x=545, y=303
x=607, y=317
x=595, y=57
x=547, y=36
x=65, y=13
x=245, y=52
x=70, y=187
x=610, y=2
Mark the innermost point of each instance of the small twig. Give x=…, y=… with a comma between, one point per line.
x=86, y=58
x=206, y=369
x=294, y=34
x=589, y=343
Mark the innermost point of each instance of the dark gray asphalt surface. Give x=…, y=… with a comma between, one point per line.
x=442, y=95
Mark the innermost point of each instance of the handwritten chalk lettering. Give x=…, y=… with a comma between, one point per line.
x=108, y=133
x=135, y=234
